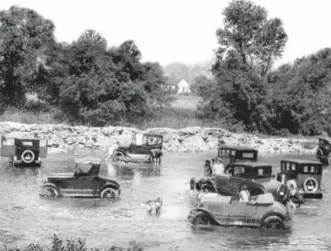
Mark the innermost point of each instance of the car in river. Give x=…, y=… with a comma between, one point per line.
x=302, y=175
x=141, y=149
x=262, y=211
x=323, y=153
x=84, y=181
x=257, y=176
x=230, y=154
x=24, y=151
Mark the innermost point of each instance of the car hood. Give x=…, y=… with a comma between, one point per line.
x=60, y=176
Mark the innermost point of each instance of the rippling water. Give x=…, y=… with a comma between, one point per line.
x=25, y=217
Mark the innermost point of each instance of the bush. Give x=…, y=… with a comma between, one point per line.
x=58, y=244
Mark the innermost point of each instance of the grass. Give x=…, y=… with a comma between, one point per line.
x=58, y=244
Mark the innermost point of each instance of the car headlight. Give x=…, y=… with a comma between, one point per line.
x=282, y=193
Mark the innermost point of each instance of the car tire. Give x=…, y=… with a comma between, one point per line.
x=201, y=219
x=273, y=222
x=49, y=191
x=27, y=153
x=305, y=184
x=109, y=193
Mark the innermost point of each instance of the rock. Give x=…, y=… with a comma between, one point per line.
x=192, y=139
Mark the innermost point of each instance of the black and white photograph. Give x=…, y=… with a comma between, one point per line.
x=163, y=125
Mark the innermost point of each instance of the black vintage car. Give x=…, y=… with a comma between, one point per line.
x=24, y=151
x=141, y=148
x=323, y=153
x=85, y=181
x=302, y=175
x=257, y=176
x=231, y=154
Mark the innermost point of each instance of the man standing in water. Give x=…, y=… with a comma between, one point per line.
x=111, y=150
x=218, y=168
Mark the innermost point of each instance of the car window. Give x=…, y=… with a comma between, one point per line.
x=264, y=171
x=27, y=143
x=83, y=168
x=233, y=153
x=8, y=142
x=247, y=155
x=152, y=140
x=310, y=169
x=238, y=171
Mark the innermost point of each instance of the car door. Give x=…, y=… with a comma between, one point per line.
x=83, y=184
x=237, y=178
x=243, y=213
x=8, y=147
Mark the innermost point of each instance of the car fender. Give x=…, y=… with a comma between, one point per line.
x=272, y=186
x=112, y=184
x=273, y=212
x=199, y=210
x=47, y=183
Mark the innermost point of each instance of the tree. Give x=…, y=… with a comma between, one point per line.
x=25, y=36
x=247, y=30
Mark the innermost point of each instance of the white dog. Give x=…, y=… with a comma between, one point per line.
x=153, y=205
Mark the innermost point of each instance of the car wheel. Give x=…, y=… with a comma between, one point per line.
x=201, y=218
x=108, y=193
x=256, y=192
x=28, y=156
x=273, y=222
x=49, y=191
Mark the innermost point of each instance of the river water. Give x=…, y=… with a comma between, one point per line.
x=25, y=217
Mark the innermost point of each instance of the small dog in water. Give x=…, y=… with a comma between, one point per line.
x=154, y=205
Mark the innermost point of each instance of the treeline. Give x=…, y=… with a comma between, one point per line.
x=83, y=82
x=248, y=95
x=88, y=82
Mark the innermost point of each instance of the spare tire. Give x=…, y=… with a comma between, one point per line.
x=310, y=184
x=28, y=156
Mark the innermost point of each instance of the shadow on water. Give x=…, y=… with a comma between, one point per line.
x=26, y=217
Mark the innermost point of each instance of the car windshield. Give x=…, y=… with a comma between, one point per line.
x=82, y=168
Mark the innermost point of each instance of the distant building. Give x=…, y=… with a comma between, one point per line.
x=183, y=87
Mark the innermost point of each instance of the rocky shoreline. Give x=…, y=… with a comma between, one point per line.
x=62, y=138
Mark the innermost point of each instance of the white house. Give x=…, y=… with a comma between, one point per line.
x=183, y=87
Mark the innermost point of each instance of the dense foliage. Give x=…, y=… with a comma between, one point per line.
x=87, y=81
x=247, y=94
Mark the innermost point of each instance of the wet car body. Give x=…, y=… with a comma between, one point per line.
x=304, y=176
x=85, y=181
x=24, y=151
x=260, y=211
x=140, y=149
x=323, y=153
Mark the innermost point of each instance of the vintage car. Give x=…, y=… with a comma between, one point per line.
x=262, y=211
x=257, y=176
x=141, y=148
x=25, y=151
x=302, y=175
x=230, y=154
x=323, y=153
x=85, y=181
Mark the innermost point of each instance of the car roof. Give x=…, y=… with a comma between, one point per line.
x=89, y=160
x=241, y=148
x=22, y=138
x=251, y=163
x=302, y=161
x=153, y=134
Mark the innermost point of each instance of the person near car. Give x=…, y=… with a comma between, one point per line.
x=244, y=194
x=111, y=150
x=218, y=167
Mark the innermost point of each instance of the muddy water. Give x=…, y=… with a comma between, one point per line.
x=25, y=217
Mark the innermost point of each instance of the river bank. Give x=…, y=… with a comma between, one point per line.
x=62, y=138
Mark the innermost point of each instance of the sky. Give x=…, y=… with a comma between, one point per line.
x=179, y=30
